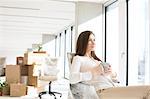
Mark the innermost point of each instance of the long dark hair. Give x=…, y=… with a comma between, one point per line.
x=82, y=43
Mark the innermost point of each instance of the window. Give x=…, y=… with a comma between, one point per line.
x=64, y=43
x=138, y=42
x=57, y=46
x=68, y=49
x=49, y=46
x=112, y=36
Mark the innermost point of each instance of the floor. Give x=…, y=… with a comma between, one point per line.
x=61, y=85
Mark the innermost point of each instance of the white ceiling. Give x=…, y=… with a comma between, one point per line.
x=22, y=22
x=35, y=16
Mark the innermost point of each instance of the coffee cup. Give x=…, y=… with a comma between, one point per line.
x=105, y=65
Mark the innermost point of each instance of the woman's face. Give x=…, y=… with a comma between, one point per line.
x=91, y=43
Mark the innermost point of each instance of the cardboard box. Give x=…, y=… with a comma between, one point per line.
x=24, y=70
x=30, y=70
x=25, y=60
x=33, y=81
x=34, y=58
x=13, y=74
x=20, y=61
x=24, y=80
x=18, y=89
x=35, y=70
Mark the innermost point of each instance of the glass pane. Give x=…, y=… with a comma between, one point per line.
x=138, y=42
x=62, y=54
x=49, y=46
x=68, y=49
x=57, y=46
x=112, y=36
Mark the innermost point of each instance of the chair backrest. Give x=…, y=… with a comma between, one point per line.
x=2, y=61
x=51, y=66
x=70, y=57
x=2, y=65
x=49, y=69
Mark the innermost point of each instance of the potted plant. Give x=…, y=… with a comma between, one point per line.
x=2, y=85
x=39, y=48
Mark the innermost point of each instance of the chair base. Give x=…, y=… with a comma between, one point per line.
x=50, y=93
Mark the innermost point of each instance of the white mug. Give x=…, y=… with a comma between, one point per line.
x=105, y=65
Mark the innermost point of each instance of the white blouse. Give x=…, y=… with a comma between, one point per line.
x=80, y=72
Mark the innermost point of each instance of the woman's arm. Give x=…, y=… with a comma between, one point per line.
x=75, y=74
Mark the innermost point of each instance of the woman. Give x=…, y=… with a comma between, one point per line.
x=86, y=66
x=87, y=69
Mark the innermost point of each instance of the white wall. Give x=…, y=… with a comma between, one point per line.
x=89, y=17
x=11, y=55
x=88, y=11
x=15, y=44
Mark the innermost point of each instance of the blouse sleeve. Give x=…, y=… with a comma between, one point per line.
x=75, y=74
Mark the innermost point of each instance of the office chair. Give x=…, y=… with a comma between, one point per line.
x=80, y=90
x=51, y=76
x=49, y=91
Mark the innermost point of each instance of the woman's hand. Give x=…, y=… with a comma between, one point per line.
x=108, y=70
x=97, y=70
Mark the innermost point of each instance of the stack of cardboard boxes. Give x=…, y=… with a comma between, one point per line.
x=20, y=76
x=32, y=60
x=13, y=78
